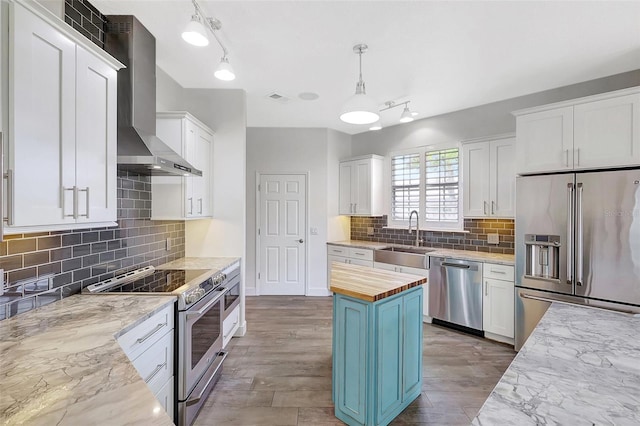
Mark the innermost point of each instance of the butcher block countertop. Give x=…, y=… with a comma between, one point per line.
x=370, y=284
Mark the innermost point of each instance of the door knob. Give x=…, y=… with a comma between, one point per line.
x=301, y=240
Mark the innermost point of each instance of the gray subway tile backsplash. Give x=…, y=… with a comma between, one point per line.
x=64, y=262
x=474, y=238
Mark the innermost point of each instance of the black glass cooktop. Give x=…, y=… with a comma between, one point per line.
x=164, y=281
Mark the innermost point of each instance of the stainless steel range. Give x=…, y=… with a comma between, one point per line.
x=204, y=300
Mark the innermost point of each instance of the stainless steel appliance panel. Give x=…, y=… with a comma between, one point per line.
x=455, y=292
x=200, y=340
x=188, y=410
x=528, y=312
x=608, y=242
x=544, y=206
x=231, y=296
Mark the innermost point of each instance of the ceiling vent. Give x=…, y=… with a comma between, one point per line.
x=278, y=97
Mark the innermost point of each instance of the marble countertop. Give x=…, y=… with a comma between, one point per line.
x=502, y=259
x=215, y=264
x=61, y=364
x=580, y=366
x=370, y=284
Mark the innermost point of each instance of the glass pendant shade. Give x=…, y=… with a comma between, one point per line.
x=224, y=71
x=195, y=33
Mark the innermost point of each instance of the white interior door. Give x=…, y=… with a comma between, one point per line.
x=282, y=253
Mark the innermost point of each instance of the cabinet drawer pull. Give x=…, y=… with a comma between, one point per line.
x=153, y=374
x=359, y=254
x=566, y=157
x=151, y=333
x=493, y=271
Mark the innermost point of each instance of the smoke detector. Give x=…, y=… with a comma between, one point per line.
x=278, y=97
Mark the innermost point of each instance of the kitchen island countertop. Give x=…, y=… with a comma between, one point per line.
x=370, y=284
x=62, y=365
x=579, y=366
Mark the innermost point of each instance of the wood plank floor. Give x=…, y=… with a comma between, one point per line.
x=280, y=372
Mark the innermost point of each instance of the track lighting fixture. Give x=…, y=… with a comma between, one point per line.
x=406, y=115
x=195, y=33
x=360, y=108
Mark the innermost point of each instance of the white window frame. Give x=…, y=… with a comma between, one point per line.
x=424, y=224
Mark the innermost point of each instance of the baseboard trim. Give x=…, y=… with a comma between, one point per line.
x=499, y=338
x=249, y=291
x=241, y=331
x=315, y=292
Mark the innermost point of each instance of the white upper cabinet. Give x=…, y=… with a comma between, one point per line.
x=607, y=132
x=360, y=191
x=60, y=144
x=188, y=197
x=489, y=177
x=600, y=131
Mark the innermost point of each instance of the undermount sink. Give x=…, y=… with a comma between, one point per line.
x=413, y=257
x=415, y=250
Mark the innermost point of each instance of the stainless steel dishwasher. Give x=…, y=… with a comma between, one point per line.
x=455, y=293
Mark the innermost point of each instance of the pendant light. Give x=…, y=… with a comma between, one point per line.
x=360, y=108
x=406, y=115
x=196, y=33
x=224, y=71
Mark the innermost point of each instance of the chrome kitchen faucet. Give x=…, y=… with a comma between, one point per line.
x=417, y=226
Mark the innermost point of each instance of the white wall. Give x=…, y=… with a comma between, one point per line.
x=485, y=120
x=299, y=150
x=338, y=148
x=224, y=110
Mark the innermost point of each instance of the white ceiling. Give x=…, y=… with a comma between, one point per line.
x=441, y=55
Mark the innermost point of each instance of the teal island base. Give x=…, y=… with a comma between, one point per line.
x=377, y=356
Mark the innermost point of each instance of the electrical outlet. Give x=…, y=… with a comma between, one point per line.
x=369, y=230
x=168, y=244
x=493, y=239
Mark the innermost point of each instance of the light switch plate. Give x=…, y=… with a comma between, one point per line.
x=369, y=230
x=493, y=239
x=168, y=244
x=313, y=231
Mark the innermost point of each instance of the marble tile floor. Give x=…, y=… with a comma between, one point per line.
x=280, y=372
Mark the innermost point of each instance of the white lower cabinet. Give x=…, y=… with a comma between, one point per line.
x=498, y=302
x=230, y=326
x=413, y=271
x=150, y=347
x=166, y=397
x=350, y=255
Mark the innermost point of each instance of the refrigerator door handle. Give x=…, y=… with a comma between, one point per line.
x=579, y=234
x=569, y=233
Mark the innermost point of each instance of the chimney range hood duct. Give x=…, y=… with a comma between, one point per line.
x=139, y=149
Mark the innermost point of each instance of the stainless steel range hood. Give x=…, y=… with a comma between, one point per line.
x=139, y=149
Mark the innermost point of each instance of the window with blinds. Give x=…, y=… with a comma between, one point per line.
x=441, y=185
x=405, y=185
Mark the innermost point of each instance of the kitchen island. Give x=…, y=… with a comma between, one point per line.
x=580, y=366
x=377, y=343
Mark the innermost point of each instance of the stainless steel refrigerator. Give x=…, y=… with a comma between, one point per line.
x=577, y=241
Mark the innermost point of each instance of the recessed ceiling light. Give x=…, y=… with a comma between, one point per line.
x=308, y=96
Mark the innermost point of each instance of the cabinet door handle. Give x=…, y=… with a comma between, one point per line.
x=484, y=207
x=87, y=203
x=355, y=207
x=486, y=288
x=200, y=201
x=493, y=207
x=190, y=205
x=153, y=374
x=75, y=211
x=578, y=156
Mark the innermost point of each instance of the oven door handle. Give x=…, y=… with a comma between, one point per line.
x=206, y=307
x=200, y=390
